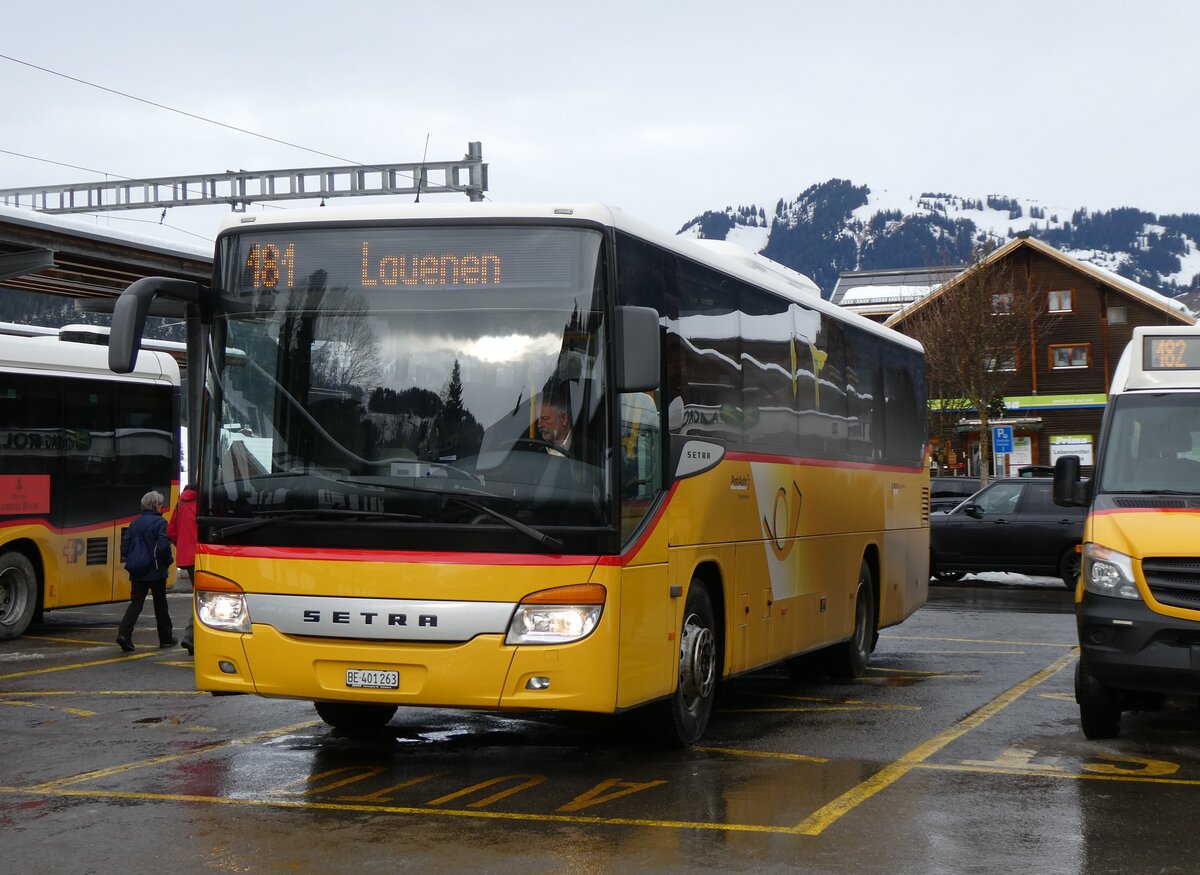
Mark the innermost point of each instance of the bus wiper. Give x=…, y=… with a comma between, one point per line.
x=548, y=541
x=1165, y=492
x=266, y=517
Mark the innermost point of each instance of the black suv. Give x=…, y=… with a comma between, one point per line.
x=1010, y=525
x=947, y=492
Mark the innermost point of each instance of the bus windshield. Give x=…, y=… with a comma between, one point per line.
x=409, y=377
x=1153, y=444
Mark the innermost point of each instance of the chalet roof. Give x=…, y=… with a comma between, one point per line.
x=1149, y=297
x=888, y=287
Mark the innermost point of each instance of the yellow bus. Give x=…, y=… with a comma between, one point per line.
x=536, y=457
x=1137, y=603
x=79, y=446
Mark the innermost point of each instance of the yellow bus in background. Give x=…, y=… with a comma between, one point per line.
x=79, y=447
x=536, y=457
x=1137, y=604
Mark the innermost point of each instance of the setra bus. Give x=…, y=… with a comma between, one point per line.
x=79, y=446
x=1137, y=602
x=528, y=458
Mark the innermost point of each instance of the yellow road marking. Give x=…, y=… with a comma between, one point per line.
x=822, y=818
x=973, y=641
x=308, y=805
x=822, y=708
x=763, y=754
x=913, y=673
x=1063, y=697
x=78, y=712
x=969, y=652
x=1078, y=776
x=89, y=641
x=123, y=658
x=60, y=783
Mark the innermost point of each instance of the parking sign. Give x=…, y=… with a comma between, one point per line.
x=1002, y=439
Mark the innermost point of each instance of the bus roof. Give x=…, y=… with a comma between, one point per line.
x=742, y=264
x=1159, y=358
x=50, y=354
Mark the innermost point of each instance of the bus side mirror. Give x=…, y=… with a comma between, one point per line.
x=1068, y=491
x=638, y=362
x=131, y=310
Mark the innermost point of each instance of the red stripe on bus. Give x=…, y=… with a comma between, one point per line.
x=1112, y=510
x=74, y=530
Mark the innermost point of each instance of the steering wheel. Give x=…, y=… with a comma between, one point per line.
x=534, y=445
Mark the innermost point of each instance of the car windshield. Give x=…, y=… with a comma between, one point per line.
x=371, y=373
x=1153, y=444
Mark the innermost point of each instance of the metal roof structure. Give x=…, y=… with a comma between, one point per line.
x=877, y=294
x=62, y=256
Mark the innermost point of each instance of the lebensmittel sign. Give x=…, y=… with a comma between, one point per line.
x=1071, y=445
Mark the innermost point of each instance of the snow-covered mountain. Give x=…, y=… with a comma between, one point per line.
x=837, y=226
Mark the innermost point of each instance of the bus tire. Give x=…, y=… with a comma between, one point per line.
x=18, y=594
x=691, y=704
x=1099, y=706
x=1068, y=567
x=848, y=660
x=355, y=716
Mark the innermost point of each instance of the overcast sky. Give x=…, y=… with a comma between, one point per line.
x=664, y=109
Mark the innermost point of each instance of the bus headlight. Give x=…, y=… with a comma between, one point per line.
x=1107, y=572
x=557, y=616
x=221, y=603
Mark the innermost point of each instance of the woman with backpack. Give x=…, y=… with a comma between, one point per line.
x=146, y=552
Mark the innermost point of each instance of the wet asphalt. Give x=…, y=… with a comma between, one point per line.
x=958, y=752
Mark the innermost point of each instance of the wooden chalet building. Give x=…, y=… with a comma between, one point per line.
x=1058, y=386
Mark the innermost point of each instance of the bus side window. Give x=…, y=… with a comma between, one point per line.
x=640, y=446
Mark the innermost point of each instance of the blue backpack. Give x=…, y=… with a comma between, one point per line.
x=141, y=561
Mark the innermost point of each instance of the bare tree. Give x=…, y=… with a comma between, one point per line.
x=972, y=328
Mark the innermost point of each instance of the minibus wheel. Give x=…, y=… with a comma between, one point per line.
x=1099, y=706
x=18, y=594
x=354, y=716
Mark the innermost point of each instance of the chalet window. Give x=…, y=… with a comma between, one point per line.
x=1005, y=361
x=1002, y=303
x=1117, y=316
x=1075, y=355
x=1060, y=301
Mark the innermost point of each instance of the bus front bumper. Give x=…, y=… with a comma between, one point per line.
x=480, y=673
x=1127, y=646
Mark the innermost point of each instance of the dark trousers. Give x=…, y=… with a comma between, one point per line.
x=137, y=599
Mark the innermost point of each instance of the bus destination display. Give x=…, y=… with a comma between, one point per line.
x=1171, y=352
x=420, y=261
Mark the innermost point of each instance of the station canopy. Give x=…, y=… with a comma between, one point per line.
x=92, y=263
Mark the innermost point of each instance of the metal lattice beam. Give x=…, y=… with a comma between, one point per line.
x=243, y=187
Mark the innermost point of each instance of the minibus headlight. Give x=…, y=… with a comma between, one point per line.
x=221, y=604
x=1108, y=572
x=557, y=616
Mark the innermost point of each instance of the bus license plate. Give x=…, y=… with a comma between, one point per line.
x=372, y=679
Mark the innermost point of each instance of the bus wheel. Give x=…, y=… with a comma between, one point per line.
x=18, y=594
x=1068, y=568
x=692, y=701
x=849, y=659
x=1099, y=706
x=353, y=716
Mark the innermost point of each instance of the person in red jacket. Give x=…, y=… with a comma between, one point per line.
x=182, y=530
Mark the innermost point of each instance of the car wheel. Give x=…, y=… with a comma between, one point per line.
x=949, y=576
x=1068, y=567
x=1099, y=706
